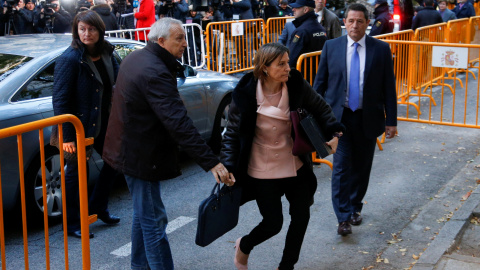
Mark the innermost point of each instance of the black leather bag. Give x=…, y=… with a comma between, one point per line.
x=218, y=214
x=306, y=123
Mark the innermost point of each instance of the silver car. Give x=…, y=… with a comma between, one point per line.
x=26, y=79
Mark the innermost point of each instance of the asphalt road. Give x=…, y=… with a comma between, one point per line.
x=408, y=175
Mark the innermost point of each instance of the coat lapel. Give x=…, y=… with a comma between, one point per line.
x=370, y=51
x=343, y=59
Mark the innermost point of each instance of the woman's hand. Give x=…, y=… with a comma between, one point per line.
x=69, y=147
x=222, y=175
x=333, y=143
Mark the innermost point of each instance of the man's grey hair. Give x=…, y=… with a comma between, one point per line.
x=161, y=28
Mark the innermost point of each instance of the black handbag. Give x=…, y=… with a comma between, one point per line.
x=218, y=214
x=303, y=121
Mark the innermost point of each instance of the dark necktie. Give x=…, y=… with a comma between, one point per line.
x=354, y=84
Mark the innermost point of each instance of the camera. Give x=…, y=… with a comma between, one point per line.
x=48, y=8
x=82, y=5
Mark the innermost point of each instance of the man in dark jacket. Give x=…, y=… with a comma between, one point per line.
x=284, y=10
x=242, y=9
x=383, y=19
x=464, y=9
x=309, y=35
x=105, y=11
x=148, y=123
x=328, y=20
x=24, y=17
x=427, y=16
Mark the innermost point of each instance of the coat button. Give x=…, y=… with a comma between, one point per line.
x=276, y=155
x=97, y=90
x=96, y=108
x=154, y=167
x=93, y=124
x=274, y=128
x=276, y=142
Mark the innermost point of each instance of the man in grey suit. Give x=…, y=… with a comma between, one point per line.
x=355, y=76
x=328, y=20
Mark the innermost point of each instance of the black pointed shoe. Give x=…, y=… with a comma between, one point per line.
x=78, y=234
x=109, y=218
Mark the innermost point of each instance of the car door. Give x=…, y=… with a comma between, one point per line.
x=192, y=92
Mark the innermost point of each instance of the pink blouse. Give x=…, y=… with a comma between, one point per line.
x=271, y=156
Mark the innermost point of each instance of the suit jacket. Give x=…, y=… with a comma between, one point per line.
x=379, y=95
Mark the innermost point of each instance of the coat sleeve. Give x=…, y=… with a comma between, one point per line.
x=231, y=142
x=296, y=47
x=182, y=6
x=164, y=99
x=321, y=79
x=336, y=29
x=243, y=5
x=319, y=108
x=283, y=37
x=63, y=95
x=145, y=10
x=390, y=92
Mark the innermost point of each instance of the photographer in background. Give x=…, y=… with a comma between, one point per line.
x=270, y=9
x=242, y=9
x=105, y=11
x=24, y=17
x=55, y=19
x=177, y=9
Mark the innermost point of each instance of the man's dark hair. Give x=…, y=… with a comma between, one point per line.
x=89, y=17
x=428, y=3
x=357, y=7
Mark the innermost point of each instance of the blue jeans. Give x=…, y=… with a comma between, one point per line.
x=150, y=247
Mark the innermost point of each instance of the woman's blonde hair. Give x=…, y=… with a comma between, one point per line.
x=264, y=58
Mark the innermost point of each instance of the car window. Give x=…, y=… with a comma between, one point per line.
x=125, y=49
x=41, y=85
x=9, y=63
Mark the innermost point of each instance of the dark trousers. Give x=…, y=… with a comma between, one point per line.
x=352, y=164
x=98, y=201
x=299, y=191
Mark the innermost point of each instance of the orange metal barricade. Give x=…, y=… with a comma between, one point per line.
x=458, y=104
x=431, y=33
x=457, y=31
x=228, y=52
x=274, y=28
x=85, y=220
x=401, y=35
x=474, y=38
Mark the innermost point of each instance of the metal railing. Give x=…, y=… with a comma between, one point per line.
x=273, y=29
x=231, y=45
x=195, y=52
x=85, y=220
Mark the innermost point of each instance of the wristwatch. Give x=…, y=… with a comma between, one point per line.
x=337, y=134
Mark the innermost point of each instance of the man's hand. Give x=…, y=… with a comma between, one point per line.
x=390, y=131
x=69, y=147
x=333, y=143
x=222, y=175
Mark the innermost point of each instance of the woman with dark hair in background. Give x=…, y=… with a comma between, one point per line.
x=257, y=148
x=84, y=77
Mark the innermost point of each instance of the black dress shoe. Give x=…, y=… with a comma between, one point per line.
x=356, y=219
x=109, y=219
x=78, y=234
x=344, y=228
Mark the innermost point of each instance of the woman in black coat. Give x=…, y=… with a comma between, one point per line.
x=84, y=77
x=257, y=148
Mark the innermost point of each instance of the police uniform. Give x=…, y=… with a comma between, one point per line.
x=309, y=36
x=383, y=20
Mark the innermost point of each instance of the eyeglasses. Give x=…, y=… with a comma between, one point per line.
x=90, y=30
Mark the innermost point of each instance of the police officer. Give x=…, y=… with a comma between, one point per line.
x=383, y=19
x=309, y=35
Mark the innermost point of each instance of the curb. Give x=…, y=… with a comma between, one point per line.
x=449, y=234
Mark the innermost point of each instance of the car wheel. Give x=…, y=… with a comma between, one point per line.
x=220, y=124
x=34, y=188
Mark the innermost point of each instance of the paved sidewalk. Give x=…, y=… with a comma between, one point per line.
x=457, y=245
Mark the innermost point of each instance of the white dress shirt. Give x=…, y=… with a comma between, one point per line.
x=362, y=51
